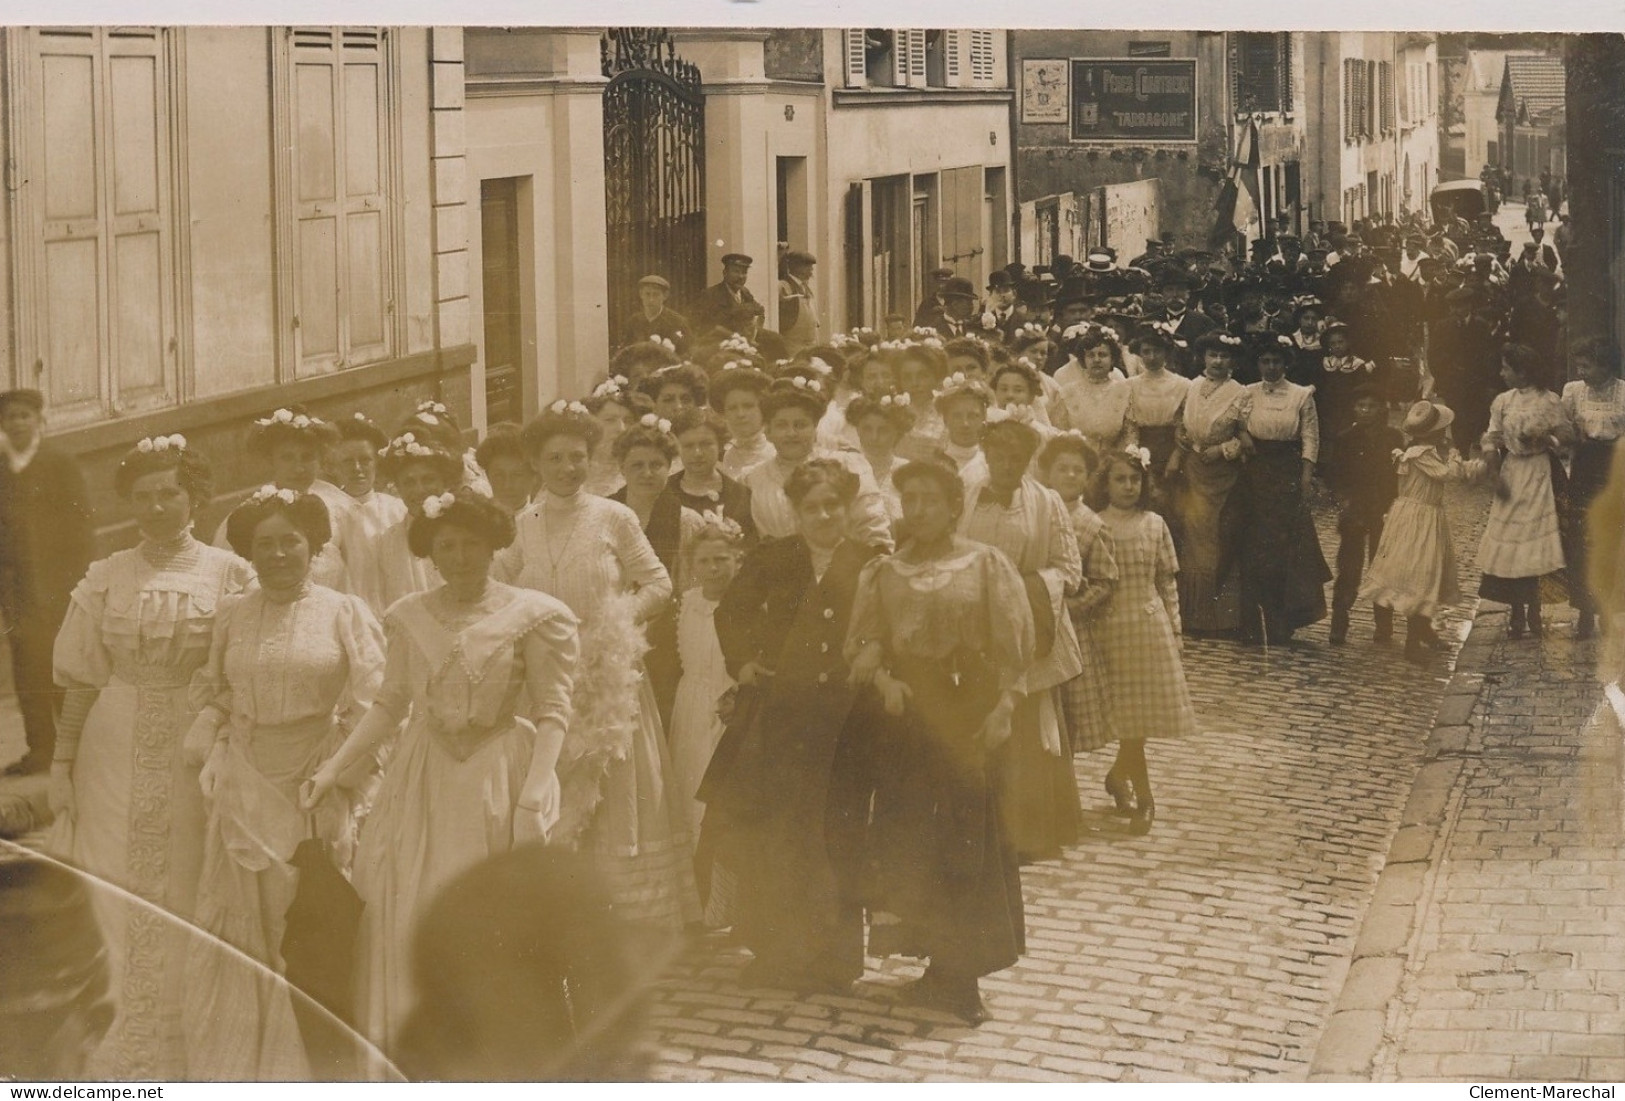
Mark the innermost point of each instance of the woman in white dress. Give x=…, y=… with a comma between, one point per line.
x=1029, y=523
x=1156, y=400
x=920, y=369
x=295, y=446
x=962, y=406
x=127, y=806
x=620, y=804
x=1523, y=537
x=485, y=671
x=880, y=424
x=792, y=408
x=355, y=468
x=1595, y=404
x=293, y=665
x=386, y=569
x=736, y=392
x=1094, y=388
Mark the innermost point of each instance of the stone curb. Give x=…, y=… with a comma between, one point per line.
x=1354, y=1034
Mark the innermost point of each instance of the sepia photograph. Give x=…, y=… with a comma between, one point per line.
x=679, y=554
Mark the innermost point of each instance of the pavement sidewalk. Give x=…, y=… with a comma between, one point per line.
x=1494, y=945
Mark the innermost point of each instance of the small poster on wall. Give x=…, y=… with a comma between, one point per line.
x=1044, y=90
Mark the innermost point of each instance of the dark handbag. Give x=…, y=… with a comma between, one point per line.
x=318, y=943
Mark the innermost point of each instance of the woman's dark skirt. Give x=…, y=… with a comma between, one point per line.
x=787, y=798
x=1283, y=572
x=940, y=859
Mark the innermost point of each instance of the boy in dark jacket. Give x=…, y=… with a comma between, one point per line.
x=1363, y=476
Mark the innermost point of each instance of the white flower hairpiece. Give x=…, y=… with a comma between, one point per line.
x=902, y=400
x=1090, y=328
x=1032, y=328
x=932, y=342
x=738, y=343
x=562, y=407
x=820, y=366
x=841, y=340
x=428, y=418
x=714, y=525
x=610, y=387
x=407, y=445
x=649, y=420
x=1142, y=454
x=923, y=331
x=735, y=365
x=266, y=492
x=801, y=383
x=998, y=415
x=434, y=506
x=360, y=418
x=662, y=342
x=1229, y=340
x=432, y=406
x=288, y=417
x=161, y=443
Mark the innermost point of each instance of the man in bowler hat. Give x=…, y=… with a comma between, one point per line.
x=46, y=542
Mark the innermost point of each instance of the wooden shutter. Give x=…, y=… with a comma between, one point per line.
x=339, y=181
x=366, y=239
x=916, y=59
x=856, y=58
x=981, y=58
x=952, y=43
x=899, y=58
x=1284, y=70
x=1348, y=101
x=103, y=299
x=856, y=255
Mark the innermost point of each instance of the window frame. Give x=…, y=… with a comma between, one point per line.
x=292, y=365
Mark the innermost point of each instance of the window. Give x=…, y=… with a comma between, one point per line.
x=338, y=131
x=1385, y=96
x=1260, y=72
x=1360, y=100
x=888, y=58
x=96, y=292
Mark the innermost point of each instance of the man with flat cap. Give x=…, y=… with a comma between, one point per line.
x=711, y=308
x=655, y=319
x=46, y=542
x=798, y=310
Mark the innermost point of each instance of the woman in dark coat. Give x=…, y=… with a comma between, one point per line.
x=943, y=631
x=786, y=796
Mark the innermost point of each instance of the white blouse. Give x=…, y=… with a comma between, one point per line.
x=1214, y=411
x=1597, y=414
x=1100, y=410
x=1155, y=400
x=1284, y=411
x=775, y=516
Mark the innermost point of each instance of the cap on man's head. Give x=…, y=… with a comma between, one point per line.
x=800, y=258
x=739, y=259
x=31, y=399
x=654, y=281
x=940, y=274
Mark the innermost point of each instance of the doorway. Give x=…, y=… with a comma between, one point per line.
x=500, y=280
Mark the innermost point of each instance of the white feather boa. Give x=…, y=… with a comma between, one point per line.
x=604, y=710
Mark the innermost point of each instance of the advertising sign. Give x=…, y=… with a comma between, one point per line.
x=1133, y=100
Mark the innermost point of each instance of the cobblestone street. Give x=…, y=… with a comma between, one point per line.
x=1211, y=949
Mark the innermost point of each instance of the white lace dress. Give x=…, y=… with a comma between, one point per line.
x=290, y=679
x=695, y=727
x=620, y=802
x=137, y=629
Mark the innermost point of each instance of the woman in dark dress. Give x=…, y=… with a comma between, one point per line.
x=786, y=796
x=943, y=630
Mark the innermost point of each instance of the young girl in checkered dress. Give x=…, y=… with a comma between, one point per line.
x=1138, y=634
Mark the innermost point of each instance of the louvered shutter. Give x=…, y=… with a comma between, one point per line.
x=856, y=59
x=952, y=43
x=1284, y=68
x=899, y=58
x=981, y=58
x=916, y=59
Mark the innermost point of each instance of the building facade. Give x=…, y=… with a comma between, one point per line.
x=208, y=222
x=1376, y=97
x=1529, y=114
x=1124, y=136
x=1594, y=262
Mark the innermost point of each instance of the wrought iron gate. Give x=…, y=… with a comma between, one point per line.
x=654, y=170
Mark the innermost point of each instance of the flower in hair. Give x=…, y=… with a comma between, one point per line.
x=267, y=492
x=902, y=400
x=434, y=506
x=812, y=384
x=563, y=407
x=662, y=342
x=1142, y=454
x=162, y=443
x=610, y=387
x=933, y=342
x=428, y=418
x=737, y=343
x=820, y=366
x=998, y=414
x=1229, y=340
x=433, y=407
x=649, y=420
